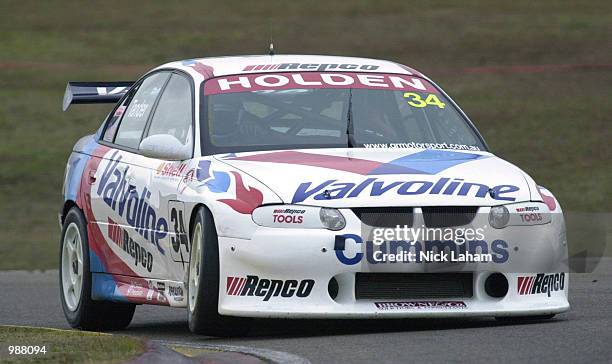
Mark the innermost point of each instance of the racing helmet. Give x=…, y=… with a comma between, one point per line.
x=224, y=119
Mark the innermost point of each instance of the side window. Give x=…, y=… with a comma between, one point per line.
x=137, y=112
x=113, y=122
x=174, y=112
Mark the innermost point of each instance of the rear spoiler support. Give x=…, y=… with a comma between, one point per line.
x=94, y=92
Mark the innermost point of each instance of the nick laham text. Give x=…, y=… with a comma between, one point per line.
x=431, y=257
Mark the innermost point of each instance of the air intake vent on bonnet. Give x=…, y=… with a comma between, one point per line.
x=448, y=216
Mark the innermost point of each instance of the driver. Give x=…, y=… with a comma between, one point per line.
x=233, y=125
x=223, y=123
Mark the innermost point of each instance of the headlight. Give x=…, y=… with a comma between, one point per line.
x=499, y=217
x=519, y=214
x=332, y=219
x=298, y=217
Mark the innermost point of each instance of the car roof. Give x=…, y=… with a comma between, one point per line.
x=204, y=68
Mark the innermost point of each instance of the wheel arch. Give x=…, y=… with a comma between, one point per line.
x=68, y=204
x=192, y=217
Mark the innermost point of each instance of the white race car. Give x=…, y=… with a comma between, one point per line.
x=293, y=186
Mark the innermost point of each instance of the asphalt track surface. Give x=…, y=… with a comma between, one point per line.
x=584, y=334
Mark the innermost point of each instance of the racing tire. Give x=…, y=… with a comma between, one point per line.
x=75, y=282
x=203, y=282
x=519, y=319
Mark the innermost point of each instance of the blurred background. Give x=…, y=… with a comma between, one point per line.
x=534, y=76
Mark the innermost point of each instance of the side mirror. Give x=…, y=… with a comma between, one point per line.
x=165, y=146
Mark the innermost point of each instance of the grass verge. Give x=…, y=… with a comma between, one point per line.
x=66, y=346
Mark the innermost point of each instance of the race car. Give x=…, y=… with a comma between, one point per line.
x=297, y=186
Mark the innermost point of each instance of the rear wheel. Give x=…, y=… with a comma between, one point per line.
x=75, y=282
x=203, y=294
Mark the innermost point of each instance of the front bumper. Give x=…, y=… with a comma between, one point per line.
x=274, y=256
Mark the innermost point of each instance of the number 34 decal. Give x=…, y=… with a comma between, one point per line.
x=178, y=233
x=416, y=100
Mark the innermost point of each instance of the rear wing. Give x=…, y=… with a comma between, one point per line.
x=94, y=92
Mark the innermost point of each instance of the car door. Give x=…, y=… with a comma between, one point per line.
x=173, y=118
x=133, y=229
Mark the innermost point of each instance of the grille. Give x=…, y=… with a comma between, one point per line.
x=385, y=216
x=448, y=216
x=413, y=285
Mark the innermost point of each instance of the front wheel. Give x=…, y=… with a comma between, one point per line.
x=203, y=294
x=75, y=282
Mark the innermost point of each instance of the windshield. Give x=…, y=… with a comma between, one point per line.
x=329, y=110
